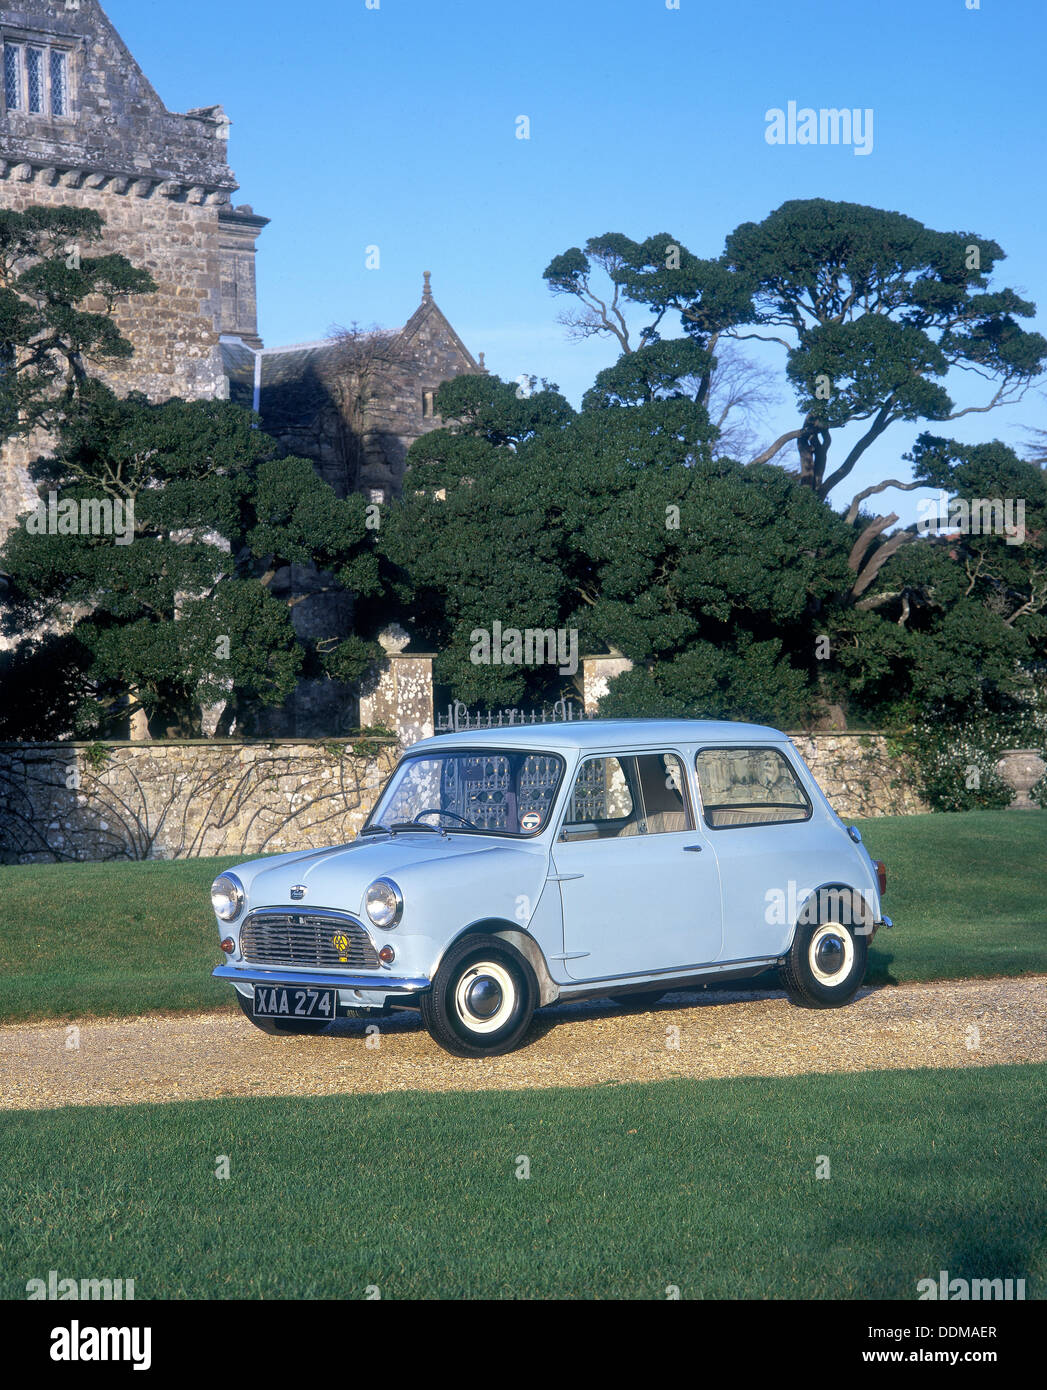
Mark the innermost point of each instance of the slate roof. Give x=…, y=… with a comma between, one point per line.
x=293, y=380
x=293, y=388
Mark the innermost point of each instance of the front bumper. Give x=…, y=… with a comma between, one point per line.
x=371, y=990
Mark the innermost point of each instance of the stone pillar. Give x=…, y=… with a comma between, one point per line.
x=400, y=697
x=597, y=672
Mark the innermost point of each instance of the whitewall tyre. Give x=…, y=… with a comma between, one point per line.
x=482, y=999
x=825, y=965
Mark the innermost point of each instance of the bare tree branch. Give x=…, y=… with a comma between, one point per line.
x=854, y=508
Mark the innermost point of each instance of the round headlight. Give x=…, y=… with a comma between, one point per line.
x=227, y=897
x=384, y=903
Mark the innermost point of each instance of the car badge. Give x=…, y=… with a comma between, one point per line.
x=341, y=945
x=298, y=892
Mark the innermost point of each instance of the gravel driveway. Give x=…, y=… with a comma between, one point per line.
x=966, y=1023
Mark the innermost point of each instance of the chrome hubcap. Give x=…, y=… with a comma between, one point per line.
x=830, y=954
x=483, y=997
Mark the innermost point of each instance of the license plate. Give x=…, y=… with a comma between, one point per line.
x=294, y=1001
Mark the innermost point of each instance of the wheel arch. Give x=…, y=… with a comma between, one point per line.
x=856, y=911
x=513, y=933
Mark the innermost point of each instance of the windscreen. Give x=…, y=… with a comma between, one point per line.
x=490, y=793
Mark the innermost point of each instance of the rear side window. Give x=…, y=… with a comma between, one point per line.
x=749, y=786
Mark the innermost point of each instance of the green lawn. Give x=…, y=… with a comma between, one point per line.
x=967, y=892
x=706, y=1185
x=84, y=940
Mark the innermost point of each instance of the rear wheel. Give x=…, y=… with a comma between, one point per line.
x=272, y=1025
x=482, y=999
x=825, y=965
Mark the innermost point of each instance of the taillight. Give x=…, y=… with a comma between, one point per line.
x=881, y=876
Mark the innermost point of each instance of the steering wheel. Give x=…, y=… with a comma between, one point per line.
x=434, y=811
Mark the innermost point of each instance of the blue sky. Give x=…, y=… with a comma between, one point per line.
x=396, y=127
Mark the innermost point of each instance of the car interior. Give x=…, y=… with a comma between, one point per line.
x=617, y=797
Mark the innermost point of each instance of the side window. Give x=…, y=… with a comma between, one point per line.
x=642, y=794
x=663, y=788
x=749, y=786
x=603, y=804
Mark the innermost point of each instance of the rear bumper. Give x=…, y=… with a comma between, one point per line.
x=371, y=983
x=885, y=921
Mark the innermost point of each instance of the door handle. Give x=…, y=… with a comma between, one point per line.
x=693, y=849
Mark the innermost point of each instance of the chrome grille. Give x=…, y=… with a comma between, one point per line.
x=306, y=939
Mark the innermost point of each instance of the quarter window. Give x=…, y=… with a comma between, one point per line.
x=749, y=786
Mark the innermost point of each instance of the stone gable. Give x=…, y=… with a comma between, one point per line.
x=301, y=398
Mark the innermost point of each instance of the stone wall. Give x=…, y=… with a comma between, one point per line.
x=77, y=801
x=859, y=775
x=169, y=800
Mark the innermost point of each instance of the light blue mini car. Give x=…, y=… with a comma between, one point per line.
x=504, y=870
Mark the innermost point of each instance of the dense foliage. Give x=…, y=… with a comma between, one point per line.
x=189, y=612
x=734, y=588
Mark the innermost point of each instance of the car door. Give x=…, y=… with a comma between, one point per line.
x=639, y=884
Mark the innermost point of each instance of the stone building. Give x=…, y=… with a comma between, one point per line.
x=80, y=124
x=354, y=403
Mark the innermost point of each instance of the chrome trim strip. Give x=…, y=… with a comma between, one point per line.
x=266, y=975
x=678, y=971
x=300, y=911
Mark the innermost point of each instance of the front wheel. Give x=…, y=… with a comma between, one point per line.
x=825, y=965
x=274, y=1026
x=482, y=999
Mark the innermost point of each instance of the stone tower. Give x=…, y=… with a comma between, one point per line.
x=80, y=124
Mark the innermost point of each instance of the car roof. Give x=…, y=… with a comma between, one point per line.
x=571, y=734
